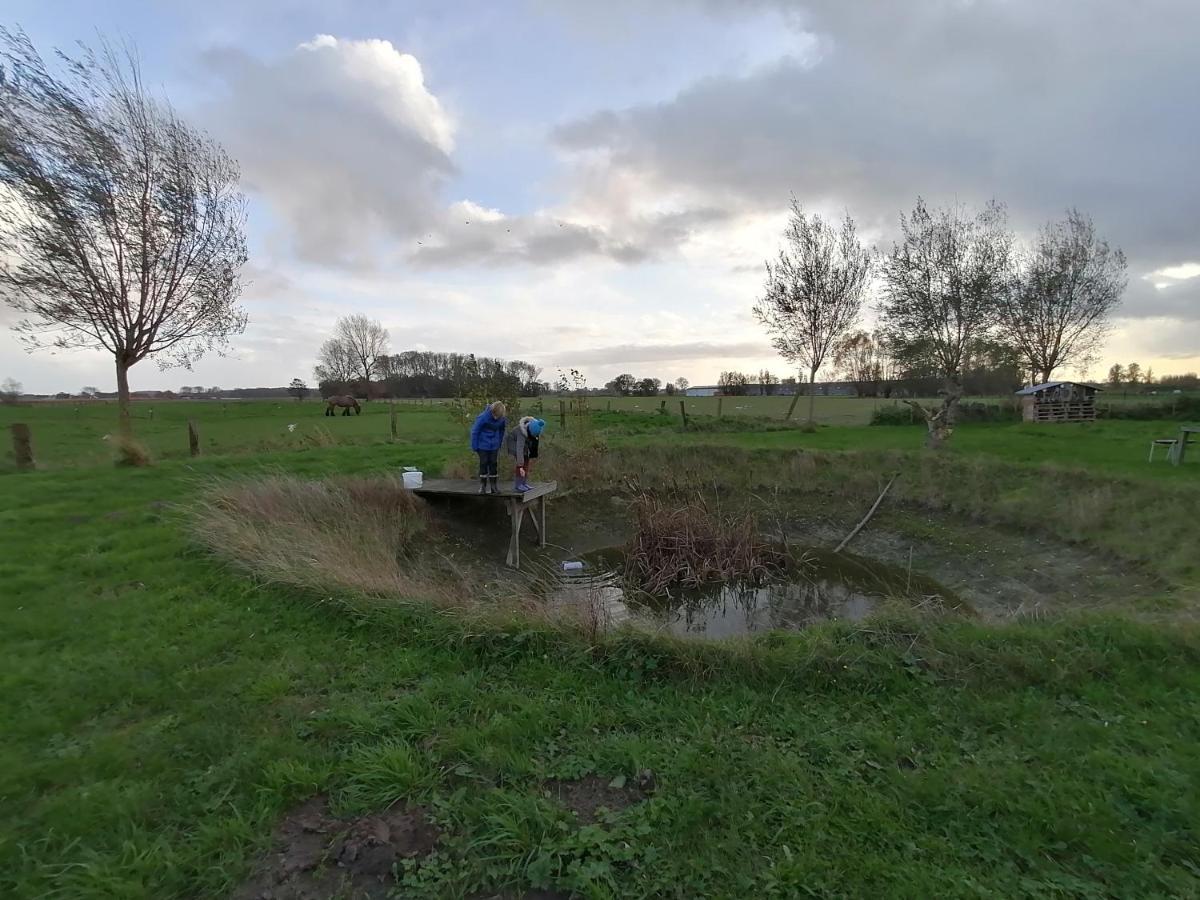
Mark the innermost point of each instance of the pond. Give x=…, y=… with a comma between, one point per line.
x=826, y=586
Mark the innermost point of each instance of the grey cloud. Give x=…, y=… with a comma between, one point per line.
x=539, y=240
x=1043, y=105
x=643, y=353
x=1180, y=300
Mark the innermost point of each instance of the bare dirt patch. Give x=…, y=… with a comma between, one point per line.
x=316, y=856
x=588, y=795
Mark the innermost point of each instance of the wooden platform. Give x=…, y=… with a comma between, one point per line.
x=532, y=501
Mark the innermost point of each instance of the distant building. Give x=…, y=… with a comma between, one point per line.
x=1058, y=401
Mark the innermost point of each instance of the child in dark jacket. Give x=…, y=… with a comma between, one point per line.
x=522, y=445
x=487, y=435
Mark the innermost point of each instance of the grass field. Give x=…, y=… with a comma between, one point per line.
x=159, y=712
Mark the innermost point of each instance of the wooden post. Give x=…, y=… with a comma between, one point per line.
x=152, y=413
x=541, y=518
x=516, y=512
x=719, y=399
x=608, y=406
x=683, y=411
x=562, y=414
x=795, y=400
x=22, y=445
x=662, y=407
x=393, y=415
x=193, y=438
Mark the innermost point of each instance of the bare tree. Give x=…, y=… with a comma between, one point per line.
x=364, y=341
x=943, y=285
x=1070, y=283
x=333, y=362
x=682, y=384
x=298, y=389
x=860, y=358
x=122, y=226
x=10, y=391
x=814, y=291
x=1116, y=374
x=1133, y=373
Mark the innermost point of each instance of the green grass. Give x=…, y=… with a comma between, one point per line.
x=158, y=712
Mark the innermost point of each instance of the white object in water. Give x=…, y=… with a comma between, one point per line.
x=573, y=565
x=412, y=479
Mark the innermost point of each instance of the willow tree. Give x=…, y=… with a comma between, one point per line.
x=1069, y=285
x=121, y=226
x=944, y=283
x=814, y=291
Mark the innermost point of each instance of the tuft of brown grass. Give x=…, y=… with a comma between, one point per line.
x=132, y=452
x=692, y=543
x=364, y=534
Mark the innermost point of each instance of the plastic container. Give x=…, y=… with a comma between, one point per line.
x=573, y=565
x=413, y=479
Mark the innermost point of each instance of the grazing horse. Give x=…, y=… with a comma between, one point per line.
x=346, y=403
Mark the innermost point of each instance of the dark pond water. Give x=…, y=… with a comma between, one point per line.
x=826, y=587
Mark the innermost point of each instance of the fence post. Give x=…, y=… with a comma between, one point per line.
x=193, y=438
x=562, y=414
x=683, y=412
x=662, y=407
x=608, y=406
x=795, y=400
x=393, y=417
x=719, y=399
x=22, y=445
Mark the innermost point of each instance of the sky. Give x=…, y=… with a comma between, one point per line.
x=598, y=185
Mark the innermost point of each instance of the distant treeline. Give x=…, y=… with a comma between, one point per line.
x=421, y=373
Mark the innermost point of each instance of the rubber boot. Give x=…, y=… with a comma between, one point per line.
x=493, y=484
x=483, y=484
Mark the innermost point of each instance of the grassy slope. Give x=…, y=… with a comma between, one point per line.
x=157, y=713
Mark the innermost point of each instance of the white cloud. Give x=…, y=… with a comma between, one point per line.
x=343, y=140
x=1181, y=272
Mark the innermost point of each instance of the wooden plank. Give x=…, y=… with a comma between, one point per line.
x=469, y=487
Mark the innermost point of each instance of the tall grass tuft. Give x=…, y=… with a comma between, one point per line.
x=132, y=452
x=367, y=535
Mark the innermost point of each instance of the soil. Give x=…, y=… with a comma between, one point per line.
x=316, y=856
x=588, y=795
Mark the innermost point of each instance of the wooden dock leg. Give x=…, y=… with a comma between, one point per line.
x=516, y=512
x=541, y=517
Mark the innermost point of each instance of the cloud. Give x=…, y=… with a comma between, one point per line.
x=342, y=138
x=952, y=100
x=666, y=352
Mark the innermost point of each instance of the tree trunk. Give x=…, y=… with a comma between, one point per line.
x=123, y=421
x=812, y=396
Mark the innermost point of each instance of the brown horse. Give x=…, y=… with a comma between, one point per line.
x=346, y=403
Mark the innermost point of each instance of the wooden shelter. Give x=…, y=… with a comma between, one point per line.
x=1058, y=401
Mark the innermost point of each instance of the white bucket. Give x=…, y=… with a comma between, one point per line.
x=412, y=480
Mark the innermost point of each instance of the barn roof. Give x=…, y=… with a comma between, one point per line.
x=1038, y=388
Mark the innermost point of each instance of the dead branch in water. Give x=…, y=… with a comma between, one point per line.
x=867, y=517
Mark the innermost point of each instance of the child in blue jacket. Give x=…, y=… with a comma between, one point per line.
x=487, y=436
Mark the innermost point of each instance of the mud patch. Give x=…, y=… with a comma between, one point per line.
x=315, y=856
x=588, y=795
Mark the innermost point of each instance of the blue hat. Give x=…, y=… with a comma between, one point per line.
x=536, y=426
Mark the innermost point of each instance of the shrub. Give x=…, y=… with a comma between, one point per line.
x=973, y=411
x=1177, y=408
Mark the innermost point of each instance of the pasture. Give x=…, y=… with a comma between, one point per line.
x=162, y=709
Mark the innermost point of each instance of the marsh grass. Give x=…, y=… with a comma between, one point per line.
x=693, y=542
x=365, y=534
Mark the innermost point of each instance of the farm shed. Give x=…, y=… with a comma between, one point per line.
x=1058, y=401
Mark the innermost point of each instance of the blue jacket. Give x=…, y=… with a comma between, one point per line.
x=487, y=433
